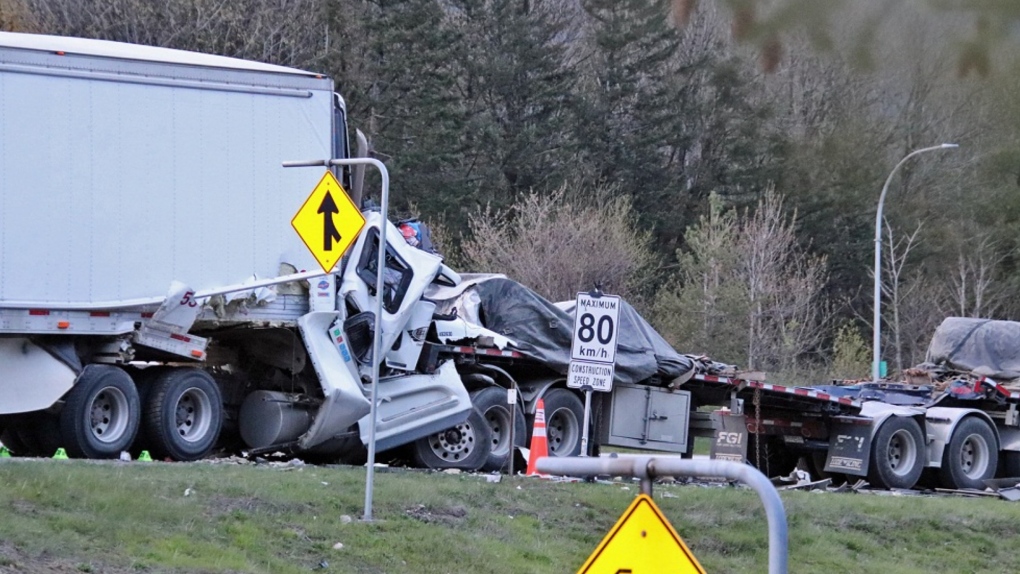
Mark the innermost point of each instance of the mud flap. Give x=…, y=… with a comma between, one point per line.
x=730, y=437
x=849, y=449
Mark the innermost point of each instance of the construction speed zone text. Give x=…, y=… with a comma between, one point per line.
x=598, y=376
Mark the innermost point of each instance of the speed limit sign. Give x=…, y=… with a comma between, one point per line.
x=593, y=350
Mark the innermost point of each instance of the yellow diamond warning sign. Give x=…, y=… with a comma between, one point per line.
x=642, y=542
x=328, y=222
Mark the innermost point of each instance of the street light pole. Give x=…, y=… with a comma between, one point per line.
x=877, y=322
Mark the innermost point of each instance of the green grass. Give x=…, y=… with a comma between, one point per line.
x=76, y=516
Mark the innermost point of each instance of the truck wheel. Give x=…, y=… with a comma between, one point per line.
x=101, y=413
x=897, y=454
x=465, y=446
x=971, y=456
x=183, y=414
x=564, y=415
x=491, y=402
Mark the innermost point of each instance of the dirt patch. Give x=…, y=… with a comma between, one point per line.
x=449, y=516
x=14, y=560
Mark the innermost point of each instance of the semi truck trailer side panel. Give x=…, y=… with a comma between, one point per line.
x=123, y=175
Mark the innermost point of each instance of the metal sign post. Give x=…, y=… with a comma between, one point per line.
x=380, y=266
x=593, y=350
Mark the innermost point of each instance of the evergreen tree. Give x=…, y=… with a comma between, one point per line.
x=665, y=115
x=515, y=85
x=404, y=96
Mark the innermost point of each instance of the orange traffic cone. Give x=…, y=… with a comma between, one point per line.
x=539, y=442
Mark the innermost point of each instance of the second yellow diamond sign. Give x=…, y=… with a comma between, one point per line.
x=642, y=542
x=328, y=222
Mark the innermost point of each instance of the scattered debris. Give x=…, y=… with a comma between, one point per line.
x=967, y=492
x=1006, y=488
x=451, y=515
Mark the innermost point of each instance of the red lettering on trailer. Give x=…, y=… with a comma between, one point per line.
x=38, y=312
x=180, y=337
x=99, y=314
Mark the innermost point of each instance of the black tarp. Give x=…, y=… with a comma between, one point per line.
x=544, y=330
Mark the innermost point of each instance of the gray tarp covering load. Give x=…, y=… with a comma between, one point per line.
x=542, y=330
x=980, y=346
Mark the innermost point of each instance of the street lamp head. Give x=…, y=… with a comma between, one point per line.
x=876, y=324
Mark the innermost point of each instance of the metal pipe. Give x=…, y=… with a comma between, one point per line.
x=647, y=468
x=876, y=336
x=379, y=285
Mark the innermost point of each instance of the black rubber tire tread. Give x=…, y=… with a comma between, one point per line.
x=880, y=474
x=487, y=399
x=478, y=453
x=776, y=458
x=143, y=379
x=160, y=415
x=563, y=405
x=951, y=475
x=79, y=441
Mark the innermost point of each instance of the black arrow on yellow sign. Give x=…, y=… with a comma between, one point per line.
x=329, y=232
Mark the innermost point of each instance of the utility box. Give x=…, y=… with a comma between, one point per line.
x=648, y=418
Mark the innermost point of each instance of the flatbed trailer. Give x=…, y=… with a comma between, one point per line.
x=896, y=435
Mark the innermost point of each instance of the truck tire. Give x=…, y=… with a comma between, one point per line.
x=897, y=454
x=465, y=446
x=491, y=402
x=564, y=416
x=183, y=414
x=971, y=456
x=101, y=413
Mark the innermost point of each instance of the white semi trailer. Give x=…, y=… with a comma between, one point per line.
x=154, y=295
